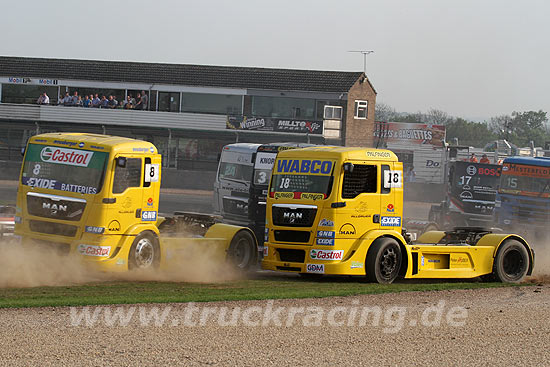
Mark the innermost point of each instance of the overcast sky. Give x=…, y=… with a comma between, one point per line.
x=471, y=58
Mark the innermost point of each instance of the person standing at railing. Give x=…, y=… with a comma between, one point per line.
x=43, y=99
x=67, y=100
x=144, y=100
x=139, y=104
x=96, y=101
x=74, y=99
x=87, y=101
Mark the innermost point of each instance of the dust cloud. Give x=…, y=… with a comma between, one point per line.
x=34, y=266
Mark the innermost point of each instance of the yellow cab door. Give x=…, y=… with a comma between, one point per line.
x=360, y=196
x=127, y=193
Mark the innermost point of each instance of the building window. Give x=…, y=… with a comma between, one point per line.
x=283, y=107
x=361, y=109
x=212, y=103
x=333, y=113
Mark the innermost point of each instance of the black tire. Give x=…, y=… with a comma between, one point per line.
x=145, y=252
x=511, y=262
x=383, y=261
x=242, y=251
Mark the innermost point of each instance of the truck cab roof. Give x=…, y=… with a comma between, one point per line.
x=98, y=142
x=342, y=153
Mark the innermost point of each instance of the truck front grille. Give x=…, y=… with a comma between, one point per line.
x=291, y=256
x=292, y=236
x=55, y=207
x=53, y=228
x=289, y=216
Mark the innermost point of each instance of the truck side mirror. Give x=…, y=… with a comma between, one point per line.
x=22, y=151
x=121, y=162
x=348, y=167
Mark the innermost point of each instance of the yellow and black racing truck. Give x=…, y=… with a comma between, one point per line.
x=339, y=210
x=97, y=196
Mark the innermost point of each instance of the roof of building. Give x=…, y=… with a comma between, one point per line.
x=179, y=74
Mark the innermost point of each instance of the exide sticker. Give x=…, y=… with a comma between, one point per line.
x=91, y=250
x=325, y=241
x=326, y=254
x=390, y=221
x=326, y=223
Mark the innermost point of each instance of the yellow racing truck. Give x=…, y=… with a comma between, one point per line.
x=339, y=210
x=97, y=196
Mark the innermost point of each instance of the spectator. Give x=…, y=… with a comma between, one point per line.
x=484, y=159
x=112, y=102
x=79, y=102
x=139, y=104
x=473, y=158
x=67, y=100
x=129, y=102
x=74, y=100
x=104, y=103
x=87, y=101
x=96, y=102
x=43, y=99
x=144, y=100
x=410, y=174
x=121, y=105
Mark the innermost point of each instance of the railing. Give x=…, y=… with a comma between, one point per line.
x=78, y=115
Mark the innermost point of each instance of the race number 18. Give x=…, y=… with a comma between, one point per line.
x=392, y=179
x=151, y=172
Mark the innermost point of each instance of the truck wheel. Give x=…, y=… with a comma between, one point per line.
x=145, y=252
x=383, y=261
x=242, y=250
x=511, y=262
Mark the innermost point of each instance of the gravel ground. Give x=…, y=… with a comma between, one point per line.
x=505, y=326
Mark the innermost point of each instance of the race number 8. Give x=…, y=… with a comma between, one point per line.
x=392, y=179
x=151, y=172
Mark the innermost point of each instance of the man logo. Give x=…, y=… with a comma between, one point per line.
x=347, y=229
x=54, y=207
x=114, y=226
x=291, y=217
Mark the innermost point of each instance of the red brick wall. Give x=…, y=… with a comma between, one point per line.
x=359, y=132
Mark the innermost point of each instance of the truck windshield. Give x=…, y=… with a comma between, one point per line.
x=64, y=169
x=235, y=171
x=523, y=179
x=301, y=184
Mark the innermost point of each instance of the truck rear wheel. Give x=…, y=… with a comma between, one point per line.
x=383, y=261
x=242, y=250
x=511, y=262
x=145, y=252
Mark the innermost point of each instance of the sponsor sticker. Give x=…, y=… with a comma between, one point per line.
x=93, y=229
x=70, y=157
x=148, y=216
x=266, y=251
x=325, y=241
x=326, y=223
x=91, y=250
x=326, y=234
x=326, y=254
x=390, y=208
x=150, y=202
x=284, y=195
x=390, y=221
x=347, y=230
x=308, y=196
x=315, y=268
x=357, y=265
x=304, y=166
x=265, y=160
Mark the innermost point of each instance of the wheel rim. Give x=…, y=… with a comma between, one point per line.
x=240, y=254
x=388, y=262
x=513, y=264
x=144, y=253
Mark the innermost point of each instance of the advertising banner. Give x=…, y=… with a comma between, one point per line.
x=272, y=124
x=410, y=133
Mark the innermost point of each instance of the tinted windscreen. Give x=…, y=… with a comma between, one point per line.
x=301, y=184
x=64, y=169
x=526, y=180
x=235, y=171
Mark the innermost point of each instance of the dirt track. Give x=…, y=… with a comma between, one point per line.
x=506, y=326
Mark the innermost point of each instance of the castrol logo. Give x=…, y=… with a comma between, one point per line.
x=70, y=157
